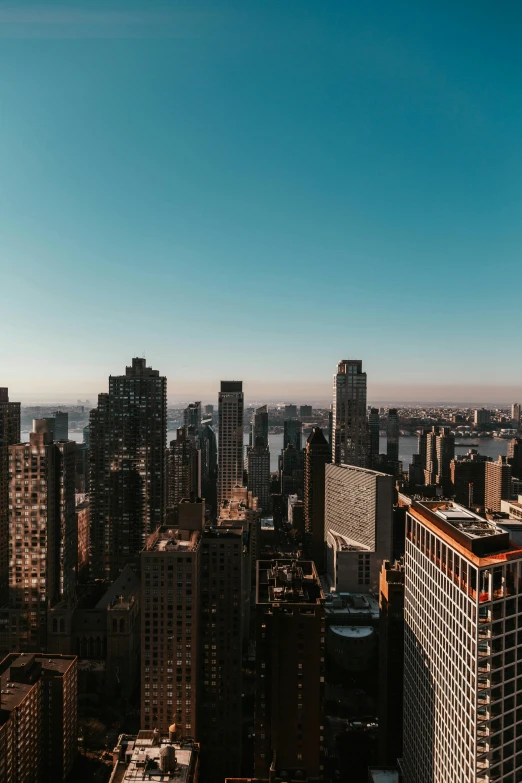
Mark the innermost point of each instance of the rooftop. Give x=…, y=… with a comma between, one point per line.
x=344, y=544
x=19, y=672
x=169, y=539
x=479, y=539
x=343, y=605
x=383, y=775
x=137, y=757
x=352, y=631
x=122, y=590
x=288, y=581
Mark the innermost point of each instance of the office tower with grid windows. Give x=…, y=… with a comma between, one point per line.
x=462, y=648
x=127, y=439
x=9, y=435
x=192, y=416
x=392, y=437
x=498, y=483
x=374, y=426
x=209, y=469
x=183, y=467
x=350, y=432
x=358, y=526
x=170, y=564
x=290, y=632
x=43, y=536
x=230, y=441
x=316, y=457
x=293, y=433
x=439, y=451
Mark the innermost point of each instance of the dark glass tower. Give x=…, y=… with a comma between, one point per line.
x=316, y=456
x=127, y=467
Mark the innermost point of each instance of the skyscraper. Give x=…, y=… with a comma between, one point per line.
x=290, y=631
x=209, y=469
x=258, y=458
x=391, y=661
x=316, y=457
x=192, y=416
x=293, y=433
x=291, y=471
x=305, y=411
x=61, y=425
x=374, y=426
x=230, y=445
x=350, y=434
x=392, y=439
x=183, y=467
x=291, y=411
x=440, y=450
x=515, y=414
x=43, y=538
x=468, y=478
x=169, y=630
x=514, y=457
x=9, y=435
x=127, y=467
x=498, y=483
x=358, y=526
x=461, y=579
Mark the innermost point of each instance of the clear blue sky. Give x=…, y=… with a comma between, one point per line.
x=259, y=188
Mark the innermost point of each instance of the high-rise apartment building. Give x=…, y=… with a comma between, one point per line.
x=515, y=414
x=358, y=526
x=461, y=692
x=170, y=564
x=291, y=411
x=290, y=632
x=291, y=471
x=440, y=450
x=316, y=457
x=258, y=459
x=220, y=706
x=192, y=416
x=209, y=467
x=305, y=411
x=183, y=467
x=38, y=717
x=498, y=483
x=392, y=437
x=230, y=442
x=127, y=434
x=350, y=433
x=391, y=661
x=9, y=435
x=481, y=416
x=293, y=433
x=468, y=478
x=514, y=457
x=43, y=537
x=374, y=426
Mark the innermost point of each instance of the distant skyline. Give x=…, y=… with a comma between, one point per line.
x=258, y=189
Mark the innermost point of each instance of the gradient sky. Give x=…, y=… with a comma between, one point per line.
x=258, y=188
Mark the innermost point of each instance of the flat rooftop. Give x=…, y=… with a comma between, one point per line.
x=140, y=755
x=13, y=690
x=475, y=536
x=352, y=631
x=344, y=605
x=288, y=581
x=171, y=539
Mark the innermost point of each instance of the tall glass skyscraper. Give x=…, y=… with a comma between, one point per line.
x=350, y=432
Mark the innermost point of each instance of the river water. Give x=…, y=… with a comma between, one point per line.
x=490, y=447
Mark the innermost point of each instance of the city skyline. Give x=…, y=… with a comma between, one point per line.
x=352, y=169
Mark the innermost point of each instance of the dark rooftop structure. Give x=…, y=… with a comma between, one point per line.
x=288, y=581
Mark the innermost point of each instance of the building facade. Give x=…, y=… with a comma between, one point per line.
x=230, y=442
x=258, y=459
x=9, y=435
x=468, y=478
x=290, y=632
x=183, y=467
x=316, y=458
x=127, y=437
x=462, y=577
x=350, y=433
x=498, y=483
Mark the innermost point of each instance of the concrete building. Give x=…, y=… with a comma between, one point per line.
x=258, y=459
x=391, y=661
x=230, y=442
x=305, y=411
x=150, y=755
x=290, y=629
x=515, y=414
x=350, y=433
x=170, y=630
x=61, y=425
x=291, y=411
x=220, y=700
x=468, y=478
x=9, y=435
x=293, y=434
x=461, y=579
x=498, y=483
x=242, y=510
x=316, y=457
x=358, y=526
x=291, y=471
x=481, y=416
x=43, y=537
x=127, y=436
x=38, y=717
